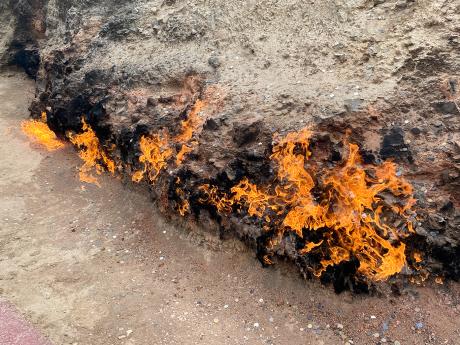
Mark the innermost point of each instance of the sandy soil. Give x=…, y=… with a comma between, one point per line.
x=100, y=266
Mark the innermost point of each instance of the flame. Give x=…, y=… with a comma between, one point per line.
x=349, y=209
x=157, y=149
x=155, y=152
x=214, y=197
x=184, y=150
x=192, y=123
x=189, y=126
x=91, y=152
x=39, y=132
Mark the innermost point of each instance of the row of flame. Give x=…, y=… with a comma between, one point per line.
x=350, y=208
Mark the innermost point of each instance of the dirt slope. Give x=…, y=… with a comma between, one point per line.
x=94, y=266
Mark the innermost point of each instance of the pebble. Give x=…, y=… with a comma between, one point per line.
x=376, y=335
x=419, y=325
x=309, y=325
x=397, y=343
x=385, y=326
x=339, y=326
x=226, y=306
x=256, y=324
x=216, y=320
x=373, y=317
x=261, y=300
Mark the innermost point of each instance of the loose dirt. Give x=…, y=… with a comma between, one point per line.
x=90, y=265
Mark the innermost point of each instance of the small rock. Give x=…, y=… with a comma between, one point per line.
x=152, y=102
x=214, y=61
x=354, y=104
x=339, y=326
x=256, y=324
x=310, y=325
x=340, y=57
x=396, y=343
x=216, y=320
x=400, y=4
x=385, y=326
x=376, y=335
x=415, y=131
x=419, y=325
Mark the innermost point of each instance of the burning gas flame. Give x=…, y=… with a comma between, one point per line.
x=341, y=213
x=349, y=210
x=155, y=154
x=92, y=153
x=39, y=132
x=157, y=149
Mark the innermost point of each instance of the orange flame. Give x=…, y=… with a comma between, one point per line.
x=350, y=208
x=93, y=155
x=189, y=127
x=157, y=149
x=155, y=153
x=39, y=132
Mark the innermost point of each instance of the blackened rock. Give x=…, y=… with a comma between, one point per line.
x=119, y=26
x=26, y=58
x=415, y=131
x=152, y=102
x=393, y=145
x=95, y=76
x=448, y=206
x=446, y=107
x=211, y=125
x=244, y=134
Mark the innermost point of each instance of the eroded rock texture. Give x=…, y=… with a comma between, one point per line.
x=388, y=71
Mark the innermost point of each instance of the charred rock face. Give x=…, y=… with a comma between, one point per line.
x=174, y=108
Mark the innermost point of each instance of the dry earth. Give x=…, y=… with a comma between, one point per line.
x=100, y=266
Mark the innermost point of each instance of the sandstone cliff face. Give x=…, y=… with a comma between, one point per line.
x=385, y=70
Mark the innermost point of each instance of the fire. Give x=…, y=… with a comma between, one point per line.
x=155, y=152
x=189, y=127
x=341, y=212
x=350, y=211
x=39, y=132
x=92, y=153
x=157, y=149
x=192, y=123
